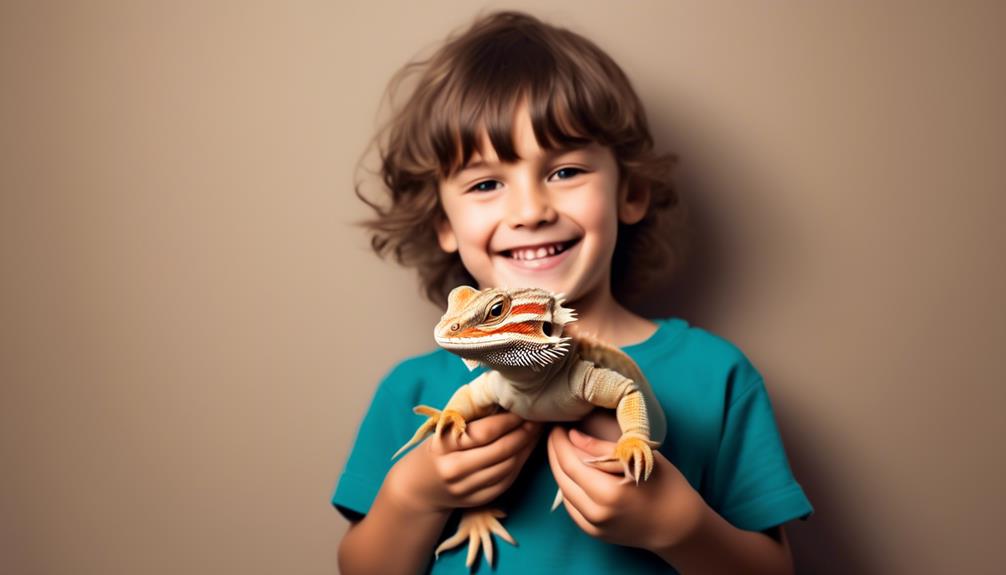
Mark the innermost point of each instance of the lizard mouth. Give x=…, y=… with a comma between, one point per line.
x=476, y=344
x=490, y=342
x=492, y=351
x=542, y=251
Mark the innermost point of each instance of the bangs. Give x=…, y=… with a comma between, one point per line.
x=488, y=85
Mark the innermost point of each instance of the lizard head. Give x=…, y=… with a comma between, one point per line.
x=504, y=327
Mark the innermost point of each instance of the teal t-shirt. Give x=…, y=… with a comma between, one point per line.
x=721, y=434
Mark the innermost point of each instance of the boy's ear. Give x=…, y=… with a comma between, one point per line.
x=445, y=235
x=633, y=201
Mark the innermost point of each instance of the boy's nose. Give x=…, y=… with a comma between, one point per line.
x=529, y=207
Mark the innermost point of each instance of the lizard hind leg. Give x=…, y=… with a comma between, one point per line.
x=475, y=527
x=436, y=422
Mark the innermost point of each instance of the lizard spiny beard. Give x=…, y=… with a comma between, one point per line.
x=528, y=354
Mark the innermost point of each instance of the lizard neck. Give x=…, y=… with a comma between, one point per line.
x=528, y=379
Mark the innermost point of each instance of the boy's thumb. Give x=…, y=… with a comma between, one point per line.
x=583, y=441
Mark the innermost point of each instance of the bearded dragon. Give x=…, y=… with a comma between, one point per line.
x=541, y=375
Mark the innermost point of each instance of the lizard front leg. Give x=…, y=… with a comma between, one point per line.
x=473, y=400
x=610, y=389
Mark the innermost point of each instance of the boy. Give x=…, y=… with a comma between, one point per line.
x=523, y=158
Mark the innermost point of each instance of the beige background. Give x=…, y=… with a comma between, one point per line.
x=191, y=329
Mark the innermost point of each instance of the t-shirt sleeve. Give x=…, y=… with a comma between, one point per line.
x=382, y=431
x=752, y=484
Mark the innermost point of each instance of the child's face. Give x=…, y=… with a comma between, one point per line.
x=549, y=220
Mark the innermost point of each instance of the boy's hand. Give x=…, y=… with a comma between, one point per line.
x=444, y=472
x=657, y=514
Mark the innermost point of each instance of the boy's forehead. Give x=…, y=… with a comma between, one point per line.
x=523, y=140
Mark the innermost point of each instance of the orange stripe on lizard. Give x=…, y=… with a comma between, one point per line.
x=513, y=328
x=535, y=308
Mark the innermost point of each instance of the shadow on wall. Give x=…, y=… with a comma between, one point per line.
x=686, y=287
x=698, y=261
x=827, y=542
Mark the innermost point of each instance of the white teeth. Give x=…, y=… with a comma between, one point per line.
x=527, y=254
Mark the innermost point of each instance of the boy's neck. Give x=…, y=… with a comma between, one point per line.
x=601, y=316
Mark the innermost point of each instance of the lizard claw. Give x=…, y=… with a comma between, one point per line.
x=475, y=527
x=635, y=453
x=437, y=421
x=449, y=416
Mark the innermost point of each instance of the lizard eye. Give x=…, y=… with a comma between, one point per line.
x=496, y=310
x=546, y=328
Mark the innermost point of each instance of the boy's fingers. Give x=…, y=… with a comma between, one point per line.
x=612, y=467
x=582, y=521
x=596, y=447
x=477, y=432
x=575, y=496
x=590, y=444
x=511, y=445
x=488, y=429
x=585, y=475
x=477, y=472
x=473, y=478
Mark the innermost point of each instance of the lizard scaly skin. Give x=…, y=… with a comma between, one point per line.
x=540, y=375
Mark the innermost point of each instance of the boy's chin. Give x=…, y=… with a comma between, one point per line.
x=555, y=280
x=554, y=285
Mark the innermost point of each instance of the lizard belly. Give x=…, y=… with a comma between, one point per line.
x=545, y=406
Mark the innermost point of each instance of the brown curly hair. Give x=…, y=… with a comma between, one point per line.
x=576, y=94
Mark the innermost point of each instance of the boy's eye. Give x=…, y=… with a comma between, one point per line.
x=569, y=171
x=486, y=186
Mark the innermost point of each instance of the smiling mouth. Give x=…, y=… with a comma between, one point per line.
x=539, y=252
